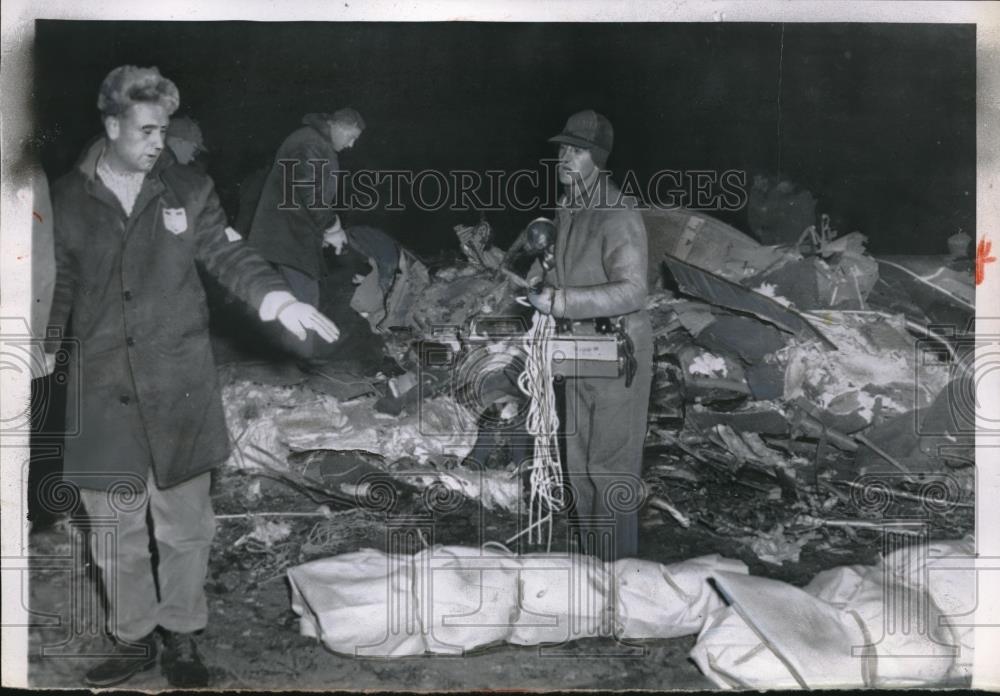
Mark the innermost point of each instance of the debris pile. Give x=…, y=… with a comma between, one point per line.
x=440, y=429
x=782, y=374
x=270, y=424
x=781, y=380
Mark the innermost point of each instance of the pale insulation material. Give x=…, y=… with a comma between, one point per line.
x=749, y=446
x=453, y=599
x=770, y=290
x=493, y=488
x=775, y=547
x=877, y=359
x=708, y=365
x=250, y=411
x=439, y=429
x=819, y=630
x=280, y=420
x=267, y=532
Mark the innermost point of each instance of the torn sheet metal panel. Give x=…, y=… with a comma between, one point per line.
x=922, y=438
x=702, y=241
x=915, y=290
x=719, y=291
x=953, y=278
x=711, y=377
x=411, y=281
x=763, y=417
x=752, y=340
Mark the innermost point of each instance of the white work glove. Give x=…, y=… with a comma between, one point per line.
x=299, y=317
x=336, y=237
x=42, y=364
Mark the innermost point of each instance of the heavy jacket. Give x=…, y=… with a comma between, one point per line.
x=293, y=236
x=143, y=389
x=43, y=259
x=600, y=259
x=600, y=271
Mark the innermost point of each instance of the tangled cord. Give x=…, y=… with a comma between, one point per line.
x=543, y=424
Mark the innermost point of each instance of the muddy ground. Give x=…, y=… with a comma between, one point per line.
x=252, y=641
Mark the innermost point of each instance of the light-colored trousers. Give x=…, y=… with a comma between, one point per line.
x=183, y=526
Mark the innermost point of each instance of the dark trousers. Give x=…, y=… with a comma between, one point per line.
x=605, y=430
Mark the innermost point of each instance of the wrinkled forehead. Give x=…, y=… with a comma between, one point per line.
x=143, y=114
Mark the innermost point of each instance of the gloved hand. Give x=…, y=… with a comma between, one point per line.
x=542, y=300
x=336, y=237
x=299, y=317
x=42, y=363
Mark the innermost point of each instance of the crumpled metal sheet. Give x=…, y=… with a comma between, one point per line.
x=719, y=291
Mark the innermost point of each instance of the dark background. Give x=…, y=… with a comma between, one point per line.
x=878, y=121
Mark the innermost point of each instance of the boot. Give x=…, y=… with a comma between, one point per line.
x=128, y=659
x=181, y=663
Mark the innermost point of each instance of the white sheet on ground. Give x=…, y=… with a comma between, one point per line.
x=453, y=599
x=902, y=622
x=897, y=623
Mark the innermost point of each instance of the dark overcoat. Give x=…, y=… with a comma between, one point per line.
x=289, y=221
x=143, y=389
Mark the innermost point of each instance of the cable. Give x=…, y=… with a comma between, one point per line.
x=542, y=423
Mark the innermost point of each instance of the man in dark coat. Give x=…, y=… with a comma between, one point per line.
x=600, y=271
x=296, y=216
x=130, y=227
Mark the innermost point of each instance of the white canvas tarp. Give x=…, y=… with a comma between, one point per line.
x=453, y=599
x=903, y=622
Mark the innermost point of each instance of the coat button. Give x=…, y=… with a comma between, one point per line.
x=125, y=399
x=129, y=341
x=127, y=295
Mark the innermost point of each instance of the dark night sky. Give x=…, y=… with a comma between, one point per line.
x=878, y=121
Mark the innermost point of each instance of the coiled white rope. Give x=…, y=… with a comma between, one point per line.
x=542, y=423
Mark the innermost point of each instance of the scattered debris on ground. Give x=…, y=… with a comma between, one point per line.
x=801, y=401
x=781, y=379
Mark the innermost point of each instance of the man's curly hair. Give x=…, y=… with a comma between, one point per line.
x=127, y=85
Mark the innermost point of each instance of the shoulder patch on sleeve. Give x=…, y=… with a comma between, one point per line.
x=232, y=235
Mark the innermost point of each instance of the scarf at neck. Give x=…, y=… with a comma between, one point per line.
x=126, y=186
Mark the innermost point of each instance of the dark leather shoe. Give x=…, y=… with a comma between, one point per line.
x=181, y=663
x=127, y=660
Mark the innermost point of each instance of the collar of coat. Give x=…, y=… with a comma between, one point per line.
x=87, y=164
x=319, y=123
x=152, y=184
x=597, y=190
